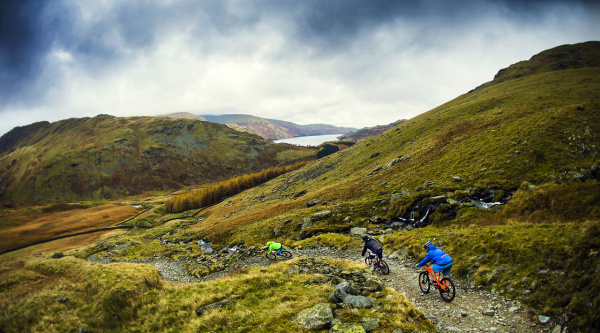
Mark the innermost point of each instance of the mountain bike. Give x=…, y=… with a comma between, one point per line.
x=380, y=264
x=445, y=285
x=284, y=255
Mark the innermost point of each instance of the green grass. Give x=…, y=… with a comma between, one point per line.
x=129, y=297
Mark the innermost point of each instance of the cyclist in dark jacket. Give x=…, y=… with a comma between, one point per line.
x=440, y=259
x=373, y=246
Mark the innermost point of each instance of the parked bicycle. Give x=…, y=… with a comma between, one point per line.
x=445, y=285
x=379, y=264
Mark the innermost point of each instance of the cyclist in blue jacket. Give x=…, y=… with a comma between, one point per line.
x=440, y=259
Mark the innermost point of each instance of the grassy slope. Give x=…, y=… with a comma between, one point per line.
x=539, y=129
x=109, y=157
x=131, y=298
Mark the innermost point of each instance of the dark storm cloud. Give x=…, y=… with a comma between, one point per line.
x=23, y=44
x=298, y=60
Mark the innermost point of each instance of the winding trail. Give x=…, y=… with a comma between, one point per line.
x=471, y=311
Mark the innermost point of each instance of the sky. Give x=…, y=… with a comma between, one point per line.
x=353, y=63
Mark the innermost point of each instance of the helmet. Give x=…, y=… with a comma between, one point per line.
x=426, y=245
x=268, y=243
x=365, y=238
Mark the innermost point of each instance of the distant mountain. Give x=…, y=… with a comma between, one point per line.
x=182, y=115
x=272, y=129
x=368, y=132
x=110, y=157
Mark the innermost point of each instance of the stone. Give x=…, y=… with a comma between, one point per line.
x=392, y=163
x=306, y=223
x=312, y=203
x=373, y=283
x=489, y=312
x=357, y=231
x=321, y=215
x=276, y=232
x=543, y=319
x=347, y=328
x=201, y=310
x=456, y=179
x=358, y=302
x=399, y=254
x=513, y=309
x=370, y=324
x=316, y=318
x=562, y=319
x=57, y=255
x=339, y=293
x=82, y=330
x=557, y=329
x=62, y=299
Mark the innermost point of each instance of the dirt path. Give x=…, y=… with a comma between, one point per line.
x=471, y=311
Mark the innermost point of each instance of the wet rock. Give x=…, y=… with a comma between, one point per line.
x=316, y=318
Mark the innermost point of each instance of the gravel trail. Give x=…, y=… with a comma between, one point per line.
x=472, y=310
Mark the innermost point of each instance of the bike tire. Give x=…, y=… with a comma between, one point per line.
x=447, y=290
x=286, y=254
x=385, y=269
x=368, y=261
x=424, y=282
x=271, y=256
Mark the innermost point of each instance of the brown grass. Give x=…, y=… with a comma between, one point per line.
x=51, y=225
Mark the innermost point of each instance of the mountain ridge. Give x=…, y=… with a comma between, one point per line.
x=273, y=129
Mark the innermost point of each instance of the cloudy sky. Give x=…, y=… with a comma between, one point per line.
x=350, y=63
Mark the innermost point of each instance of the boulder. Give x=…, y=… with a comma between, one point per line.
x=57, y=255
x=357, y=231
x=456, y=179
x=306, y=223
x=348, y=328
x=321, y=215
x=339, y=293
x=370, y=324
x=358, y=302
x=373, y=283
x=316, y=318
x=392, y=163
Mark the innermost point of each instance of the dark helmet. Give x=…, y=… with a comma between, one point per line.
x=426, y=245
x=365, y=238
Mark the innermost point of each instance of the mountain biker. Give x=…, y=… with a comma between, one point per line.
x=274, y=246
x=440, y=259
x=373, y=246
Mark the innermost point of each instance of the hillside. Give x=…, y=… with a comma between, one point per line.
x=107, y=157
x=368, y=132
x=516, y=160
x=504, y=178
x=182, y=115
x=272, y=129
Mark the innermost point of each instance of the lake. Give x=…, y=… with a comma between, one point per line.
x=313, y=140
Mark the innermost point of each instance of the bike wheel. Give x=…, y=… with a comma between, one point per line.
x=447, y=290
x=424, y=282
x=385, y=269
x=271, y=256
x=286, y=254
x=368, y=261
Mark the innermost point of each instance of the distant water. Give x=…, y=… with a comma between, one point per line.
x=313, y=140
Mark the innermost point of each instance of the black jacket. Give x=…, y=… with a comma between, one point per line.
x=372, y=245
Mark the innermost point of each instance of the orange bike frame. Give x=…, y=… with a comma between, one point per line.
x=437, y=279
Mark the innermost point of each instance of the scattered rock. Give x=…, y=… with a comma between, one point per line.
x=456, y=179
x=321, y=215
x=57, y=255
x=347, y=328
x=316, y=318
x=489, y=312
x=358, y=302
x=62, y=299
x=312, y=203
x=543, y=319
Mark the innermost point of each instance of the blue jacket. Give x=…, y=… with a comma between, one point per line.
x=437, y=256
